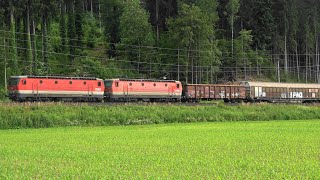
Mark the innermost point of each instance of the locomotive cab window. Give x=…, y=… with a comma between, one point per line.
x=178, y=85
x=142, y=84
x=117, y=84
x=99, y=83
x=24, y=82
x=107, y=83
x=13, y=82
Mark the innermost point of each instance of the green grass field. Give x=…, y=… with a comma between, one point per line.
x=44, y=115
x=228, y=150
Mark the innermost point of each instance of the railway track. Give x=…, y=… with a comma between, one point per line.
x=214, y=103
x=118, y=103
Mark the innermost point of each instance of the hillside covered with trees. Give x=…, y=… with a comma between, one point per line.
x=195, y=41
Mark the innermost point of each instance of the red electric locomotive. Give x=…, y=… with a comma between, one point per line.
x=54, y=88
x=142, y=90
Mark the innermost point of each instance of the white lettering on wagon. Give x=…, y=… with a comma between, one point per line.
x=235, y=95
x=296, y=95
x=97, y=89
x=222, y=94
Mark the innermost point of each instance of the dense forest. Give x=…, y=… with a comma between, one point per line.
x=195, y=41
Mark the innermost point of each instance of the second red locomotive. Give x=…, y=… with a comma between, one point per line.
x=142, y=90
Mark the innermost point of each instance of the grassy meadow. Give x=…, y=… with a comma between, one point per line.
x=226, y=150
x=43, y=115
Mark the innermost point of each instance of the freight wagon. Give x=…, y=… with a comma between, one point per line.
x=281, y=92
x=228, y=93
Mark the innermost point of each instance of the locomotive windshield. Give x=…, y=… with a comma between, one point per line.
x=13, y=81
x=107, y=83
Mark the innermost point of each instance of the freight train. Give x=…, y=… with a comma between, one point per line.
x=79, y=89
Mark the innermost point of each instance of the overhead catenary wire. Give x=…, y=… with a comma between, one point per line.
x=103, y=58
x=153, y=53
x=124, y=74
x=122, y=44
x=133, y=69
x=271, y=57
x=92, y=57
x=176, y=55
x=127, y=51
x=140, y=62
x=120, y=60
x=161, y=54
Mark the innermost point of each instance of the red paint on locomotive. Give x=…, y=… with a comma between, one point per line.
x=55, y=88
x=141, y=89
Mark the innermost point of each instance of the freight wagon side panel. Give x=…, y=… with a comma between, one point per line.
x=214, y=92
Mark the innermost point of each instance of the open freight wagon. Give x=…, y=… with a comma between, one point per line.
x=208, y=92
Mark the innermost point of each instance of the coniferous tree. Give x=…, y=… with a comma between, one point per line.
x=232, y=9
x=192, y=31
x=136, y=33
x=12, y=52
x=3, y=60
x=159, y=11
x=257, y=16
x=48, y=9
x=112, y=10
x=62, y=23
x=71, y=32
x=78, y=23
x=26, y=8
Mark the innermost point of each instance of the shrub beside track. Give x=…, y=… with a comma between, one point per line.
x=43, y=115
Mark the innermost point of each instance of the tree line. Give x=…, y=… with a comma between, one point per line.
x=193, y=41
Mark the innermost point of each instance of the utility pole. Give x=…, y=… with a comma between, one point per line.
x=207, y=74
x=91, y=4
x=157, y=21
x=243, y=58
x=278, y=69
x=5, y=65
x=139, y=60
x=192, y=70
x=100, y=18
x=232, y=45
x=211, y=72
x=150, y=68
x=178, y=64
